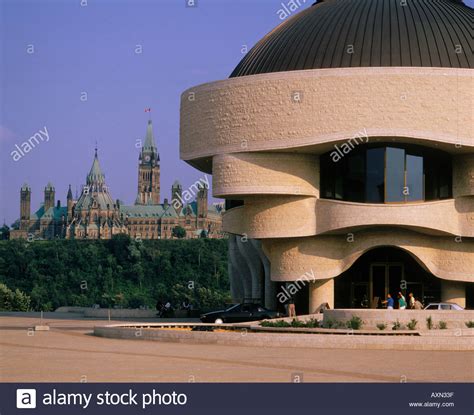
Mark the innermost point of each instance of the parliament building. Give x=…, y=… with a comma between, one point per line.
x=95, y=214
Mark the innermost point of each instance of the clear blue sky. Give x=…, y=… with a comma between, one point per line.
x=91, y=49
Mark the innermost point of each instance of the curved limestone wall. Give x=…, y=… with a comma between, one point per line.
x=261, y=137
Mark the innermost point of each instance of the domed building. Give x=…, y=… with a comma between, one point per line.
x=343, y=144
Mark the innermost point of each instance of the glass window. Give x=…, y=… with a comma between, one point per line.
x=415, y=178
x=431, y=183
x=339, y=187
x=387, y=174
x=355, y=178
x=394, y=175
x=444, y=186
x=374, y=183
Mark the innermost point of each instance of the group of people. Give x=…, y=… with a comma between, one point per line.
x=165, y=308
x=291, y=309
x=413, y=303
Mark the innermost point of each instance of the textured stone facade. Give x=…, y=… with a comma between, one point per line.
x=265, y=149
x=463, y=175
x=277, y=173
x=323, y=107
x=329, y=255
x=400, y=206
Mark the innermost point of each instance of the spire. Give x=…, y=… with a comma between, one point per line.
x=150, y=144
x=95, y=175
x=69, y=193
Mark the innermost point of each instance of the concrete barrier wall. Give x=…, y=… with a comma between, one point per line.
x=71, y=309
x=118, y=313
x=290, y=340
x=454, y=319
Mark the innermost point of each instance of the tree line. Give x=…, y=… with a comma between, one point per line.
x=119, y=272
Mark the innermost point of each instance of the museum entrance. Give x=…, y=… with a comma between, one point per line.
x=384, y=278
x=383, y=271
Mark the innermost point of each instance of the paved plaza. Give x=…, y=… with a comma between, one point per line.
x=69, y=353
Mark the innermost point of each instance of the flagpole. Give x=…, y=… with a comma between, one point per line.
x=149, y=115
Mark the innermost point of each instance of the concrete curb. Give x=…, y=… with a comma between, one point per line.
x=246, y=337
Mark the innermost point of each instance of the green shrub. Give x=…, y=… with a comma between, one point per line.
x=279, y=323
x=412, y=324
x=355, y=323
x=397, y=325
x=335, y=324
x=442, y=325
x=329, y=324
x=381, y=326
x=470, y=324
x=429, y=323
x=312, y=323
x=297, y=323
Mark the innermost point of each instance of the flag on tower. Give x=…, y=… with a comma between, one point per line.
x=147, y=109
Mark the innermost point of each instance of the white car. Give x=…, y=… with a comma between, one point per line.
x=443, y=306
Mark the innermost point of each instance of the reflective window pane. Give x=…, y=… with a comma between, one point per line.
x=444, y=183
x=374, y=184
x=415, y=179
x=394, y=175
x=355, y=178
x=339, y=188
x=387, y=174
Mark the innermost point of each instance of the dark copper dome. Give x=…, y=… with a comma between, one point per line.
x=361, y=33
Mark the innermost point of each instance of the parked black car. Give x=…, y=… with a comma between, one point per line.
x=239, y=313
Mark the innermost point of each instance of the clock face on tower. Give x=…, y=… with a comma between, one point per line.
x=147, y=158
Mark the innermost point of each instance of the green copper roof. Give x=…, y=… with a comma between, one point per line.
x=150, y=144
x=142, y=211
x=52, y=213
x=95, y=193
x=95, y=175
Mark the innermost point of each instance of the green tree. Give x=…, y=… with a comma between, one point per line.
x=4, y=232
x=13, y=300
x=179, y=232
x=119, y=271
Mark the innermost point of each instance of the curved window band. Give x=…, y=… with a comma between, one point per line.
x=387, y=173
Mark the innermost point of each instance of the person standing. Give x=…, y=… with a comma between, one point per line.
x=389, y=301
x=411, y=301
x=291, y=308
x=402, y=303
